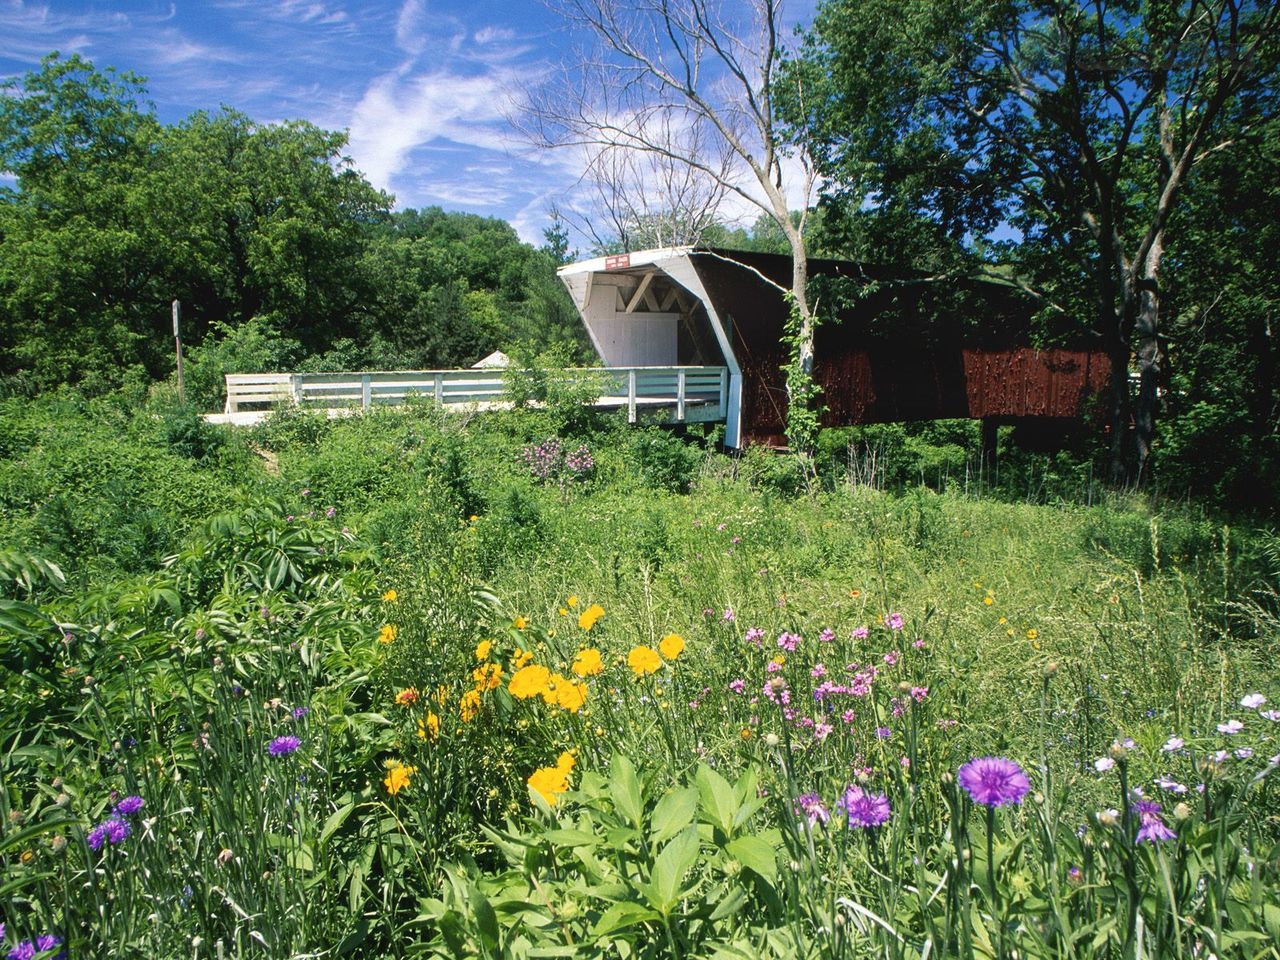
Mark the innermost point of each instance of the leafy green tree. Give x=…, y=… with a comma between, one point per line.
x=1075, y=126
x=78, y=273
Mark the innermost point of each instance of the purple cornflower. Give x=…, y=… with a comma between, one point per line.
x=112, y=831
x=129, y=806
x=1231, y=726
x=884, y=733
x=283, y=746
x=1173, y=786
x=893, y=621
x=300, y=712
x=810, y=805
x=1153, y=828
x=994, y=781
x=1173, y=744
x=865, y=810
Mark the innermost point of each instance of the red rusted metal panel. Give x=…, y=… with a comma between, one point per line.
x=873, y=372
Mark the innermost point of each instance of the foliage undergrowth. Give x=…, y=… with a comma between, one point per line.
x=388, y=686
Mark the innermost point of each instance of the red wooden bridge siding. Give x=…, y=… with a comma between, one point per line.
x=882, y=378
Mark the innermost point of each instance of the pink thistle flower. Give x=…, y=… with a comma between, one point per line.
x=859, y=633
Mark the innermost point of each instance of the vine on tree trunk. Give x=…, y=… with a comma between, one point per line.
x=803, y=411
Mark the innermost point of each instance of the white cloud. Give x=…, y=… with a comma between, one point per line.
x=399, y=115
x=410, y=33
x=488, y=35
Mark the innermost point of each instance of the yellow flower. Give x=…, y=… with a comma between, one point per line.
x=571, y=694
x=1003, y=620
x=672, y=645
x=520, y=659
x=529, y=681
x=472, y=519
x=407, y=698
x=855, y=594
x=469, y=705
x=388, y=633
x=390, y=596
x=746, y=733
x=442, y=694
x=588, y=663
x=483, y=648
x=587, y=619
x=780, y=659
x=548, y=692
x=643, y=660
x=566, y=761
x=988, y=600
x=549, y=782
x=1009, y=632
x=520, y=623
x=1032, y=633
x=572, y=602
x=487, y=677
x=429, y=726
x=563, y=612
x=398, y=778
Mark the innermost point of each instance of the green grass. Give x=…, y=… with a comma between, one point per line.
x=205, y=585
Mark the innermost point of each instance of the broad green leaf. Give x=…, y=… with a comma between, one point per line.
x=335, y=822
x=719, y=804
x=675, y=860
x=673, y=813
x=624, y=788
x=755, y=854
x=622, y=915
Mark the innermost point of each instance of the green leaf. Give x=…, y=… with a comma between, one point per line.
x=673, y=813
x=622, y=915
x=755, y=854
x=730, y=904
x=571, y=838
x=719, y=804
x=624, y=788
x=675, y=860
x=334, y=823
x=486, y=920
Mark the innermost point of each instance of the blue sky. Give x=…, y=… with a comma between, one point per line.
x=423, y=86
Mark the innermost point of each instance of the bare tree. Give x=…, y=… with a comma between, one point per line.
x=705, y=68
x=649, y=199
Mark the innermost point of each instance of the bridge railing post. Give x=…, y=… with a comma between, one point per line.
x=680, y=392
x=631, y=396
x=366, y=392
x=724, y=393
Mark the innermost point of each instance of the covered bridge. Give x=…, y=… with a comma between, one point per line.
x=899, y=347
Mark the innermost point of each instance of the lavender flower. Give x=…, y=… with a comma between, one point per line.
x=1173, y=744
x=865, y=810
x=1153, y=829
x=994, y=781
x=283, y=746
x=810, y=805
x=300, y=712
x=111, y=831
x=893, y=621
x=129, y=806
x=1253, y=701
x=1231, y=726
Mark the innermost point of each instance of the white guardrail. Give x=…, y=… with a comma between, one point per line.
x=696, y=393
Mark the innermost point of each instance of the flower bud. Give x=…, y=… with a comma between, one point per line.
x=771, y=740
x=1182, y=811
x=1118, y=750
x=1050, y=669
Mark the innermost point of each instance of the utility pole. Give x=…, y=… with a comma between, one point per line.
x=177, y=339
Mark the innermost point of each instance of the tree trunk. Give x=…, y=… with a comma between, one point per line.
x=1150, y=357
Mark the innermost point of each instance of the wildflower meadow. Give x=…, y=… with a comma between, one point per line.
x=398, y=686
